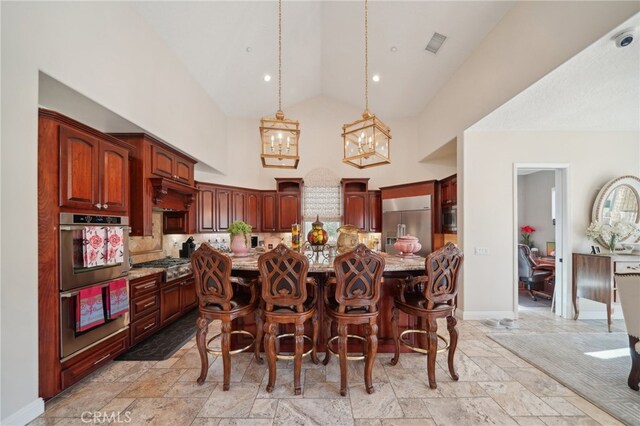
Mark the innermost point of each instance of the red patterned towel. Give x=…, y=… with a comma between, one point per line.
x=118, y=298
x=115, y=244
x=94, y=248
x=89, y=308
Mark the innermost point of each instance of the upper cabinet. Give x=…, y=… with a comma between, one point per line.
x=289, y=203
x=375, y=211
x=449, y=191
x=174, y=166
x=94, y=172
x=219, y=206
x=362, y=208
x=269, y=201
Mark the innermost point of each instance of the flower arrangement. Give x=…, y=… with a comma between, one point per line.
x=526, y=235
x=612, y=233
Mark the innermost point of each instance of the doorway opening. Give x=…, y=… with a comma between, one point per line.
x=540, y=218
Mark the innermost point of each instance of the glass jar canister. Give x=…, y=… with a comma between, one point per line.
x=317, y=236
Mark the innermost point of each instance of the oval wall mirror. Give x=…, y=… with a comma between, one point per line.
x=618, y=200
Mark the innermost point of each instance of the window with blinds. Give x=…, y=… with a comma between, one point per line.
x=321, y=199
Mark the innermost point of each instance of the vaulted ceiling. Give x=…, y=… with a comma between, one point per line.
x=230, y=46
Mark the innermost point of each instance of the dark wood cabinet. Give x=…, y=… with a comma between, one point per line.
x=252, y=210
x=356, y=209
x=170, y=308
x=184, y=170
x=375, y=211
x=449, y=191
x=206, y=208
x=223, y=209
x=94, y=173
x=239, y=205
x=362, y=208
x=269, y=211
x=288, y=203
x=175, y=223
x=171, y=165
x=188, y=296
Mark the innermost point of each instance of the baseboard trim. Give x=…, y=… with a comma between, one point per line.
x=26, y=414
x=481, y=315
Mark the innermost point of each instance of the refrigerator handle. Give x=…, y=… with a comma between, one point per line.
x=399, y=230
x=403, y=229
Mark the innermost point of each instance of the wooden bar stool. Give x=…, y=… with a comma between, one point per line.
x=283, y=273
x=430, y=297
x=218, y=300
x=357, y=290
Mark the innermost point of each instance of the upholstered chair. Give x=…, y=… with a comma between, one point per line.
x=531, y=274
x=628, y=286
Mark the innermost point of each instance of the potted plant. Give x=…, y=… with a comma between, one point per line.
x=526, y=235
x=239, y=239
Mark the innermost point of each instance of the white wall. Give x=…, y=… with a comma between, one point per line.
x=321, y=121
x=108, y=53
x=534, y=207
x=594, y=158
x=529, y=42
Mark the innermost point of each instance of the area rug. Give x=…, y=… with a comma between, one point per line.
x=165, y=342
x=600, y=377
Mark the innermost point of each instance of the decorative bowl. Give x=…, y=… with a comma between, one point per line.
x=407, y=245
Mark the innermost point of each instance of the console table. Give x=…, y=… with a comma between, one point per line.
x=593, y=278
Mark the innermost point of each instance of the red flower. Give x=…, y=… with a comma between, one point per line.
x=528, y=229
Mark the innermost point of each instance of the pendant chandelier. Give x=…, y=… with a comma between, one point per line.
x=367, y=141
x=279, y=135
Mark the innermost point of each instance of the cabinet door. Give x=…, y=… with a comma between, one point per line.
x=189, y=298
x=454, y=190
x=239, y=203
x=206, y=210
x=162, y=162
x=223, y=209
x=170, y=307
x=79, y=174
x=355, y=209
x=183, y=170
x=375, y=211
x=114, y=177
x=174, y=223
x=288, y=211
x=268, y=212
x=445, y=192
x=252, y=207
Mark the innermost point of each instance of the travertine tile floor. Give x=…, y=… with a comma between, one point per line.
x=495, y=387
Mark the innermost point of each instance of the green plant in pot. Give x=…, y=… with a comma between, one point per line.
x=239, y=232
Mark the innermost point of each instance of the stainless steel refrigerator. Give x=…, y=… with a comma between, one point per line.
x=407, y=216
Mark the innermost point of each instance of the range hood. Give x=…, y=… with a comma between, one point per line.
x=170, y=195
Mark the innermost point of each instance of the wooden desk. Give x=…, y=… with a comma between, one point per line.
x=593, y=278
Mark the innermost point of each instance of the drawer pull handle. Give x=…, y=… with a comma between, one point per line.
x=151, y=284
x=149, y=304
x=102, y=359
x=149, y=326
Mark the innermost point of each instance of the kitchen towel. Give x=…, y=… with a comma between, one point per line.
x=94, y=247
x=115, y=244
x=118, y=298
x=89, y=308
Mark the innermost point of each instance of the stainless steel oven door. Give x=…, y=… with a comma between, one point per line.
x=73, y=273
x=72, y=342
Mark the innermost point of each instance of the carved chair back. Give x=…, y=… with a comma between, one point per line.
x=212, y=274
x=442, y=267
x=358, y=278
x=284, y=276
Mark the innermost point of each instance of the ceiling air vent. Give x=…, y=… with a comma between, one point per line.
x=435, y=43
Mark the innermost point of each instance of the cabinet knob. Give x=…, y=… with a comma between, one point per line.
x=104, y=206
x=98, y=206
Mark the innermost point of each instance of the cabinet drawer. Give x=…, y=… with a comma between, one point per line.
x=627, y=267
x=144, y=327
x=144, y=305
x=92, y=359
x=145, y=286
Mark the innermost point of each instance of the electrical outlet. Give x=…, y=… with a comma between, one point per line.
x=482, y=251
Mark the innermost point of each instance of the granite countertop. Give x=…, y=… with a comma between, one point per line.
x=392, y=263
x=135, y=273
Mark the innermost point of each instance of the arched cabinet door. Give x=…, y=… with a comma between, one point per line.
x=79, y=174
x=114, y=178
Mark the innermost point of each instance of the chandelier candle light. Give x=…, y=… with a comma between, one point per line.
x=279, y=136
x=367, y=141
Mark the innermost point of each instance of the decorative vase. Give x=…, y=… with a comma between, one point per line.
x=317, y=236
x=407, y=245
x=347, y=238
x=239, y=245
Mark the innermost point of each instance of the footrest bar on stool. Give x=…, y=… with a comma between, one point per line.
x=349, y=357
x=416, y=348
x=281, y=356
x=235, y=351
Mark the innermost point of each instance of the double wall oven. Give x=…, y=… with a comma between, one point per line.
x=75, y=276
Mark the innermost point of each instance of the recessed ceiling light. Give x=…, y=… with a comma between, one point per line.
x=248, y=49
x=267, y=77
x=394, y=49
x=376, y=78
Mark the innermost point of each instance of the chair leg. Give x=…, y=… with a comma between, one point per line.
x=327, y=336
x=259, y=332
x=372, y=349
x=226, y=356
x=202, y=325
x=432, y=336
x=396, y=335
x=297, y=358
x=314, y=339
x=270, y=352
x=634, y=374
x=342, y=351
x=453, y=343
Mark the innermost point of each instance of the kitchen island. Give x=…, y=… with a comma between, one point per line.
x=396, y=268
